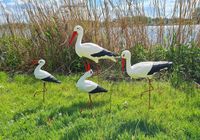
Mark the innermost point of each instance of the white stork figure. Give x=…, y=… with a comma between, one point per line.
x=143, y=69
x=43, y=75
x=90, y=50
x=89, y=86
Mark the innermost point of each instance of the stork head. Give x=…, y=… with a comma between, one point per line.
x=89, y=73
x=41, y=62
x=38, y=62
x=77, y=30
x=125, y=55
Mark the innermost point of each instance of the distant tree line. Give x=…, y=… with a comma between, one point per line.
x=194, y=19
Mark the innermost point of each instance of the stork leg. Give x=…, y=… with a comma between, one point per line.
x=98, y=68
x=43, y=91
x=90, y=101
x=86, y=65
x=150, y=89
x=36, y=92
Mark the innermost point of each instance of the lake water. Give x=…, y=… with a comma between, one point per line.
x=153, y=34
x=189, y=33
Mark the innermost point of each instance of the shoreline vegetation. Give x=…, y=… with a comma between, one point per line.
x=141, y=20
x=50, y=25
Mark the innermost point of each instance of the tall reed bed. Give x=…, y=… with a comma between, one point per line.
x=41, y=29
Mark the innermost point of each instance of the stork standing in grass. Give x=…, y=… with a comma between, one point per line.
x=90, y=50
x=43, y=75
x=143, y=69
x=89, y=86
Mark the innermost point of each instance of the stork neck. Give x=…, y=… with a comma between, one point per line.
x=79, y=38
x=84, y=77
x=39, y=67
x=128, y=63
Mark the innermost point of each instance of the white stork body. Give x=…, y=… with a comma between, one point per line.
x=86, y=85
x=143, y=69
x=90, y=50
x=89, y=86
x=43, y=75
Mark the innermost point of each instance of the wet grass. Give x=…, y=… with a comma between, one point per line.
x=119, y=114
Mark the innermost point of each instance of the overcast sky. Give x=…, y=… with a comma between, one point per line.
x=11, y=5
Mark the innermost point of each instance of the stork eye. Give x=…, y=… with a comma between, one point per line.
x=123, y=55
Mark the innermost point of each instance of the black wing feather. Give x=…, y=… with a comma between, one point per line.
x=103, y=53
x=51, y=79
x=158, y=67
x=98, y=89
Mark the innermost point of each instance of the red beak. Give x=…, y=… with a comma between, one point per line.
x=123, y=64
x=34, y=62
x=73, y=36
x=87, y=67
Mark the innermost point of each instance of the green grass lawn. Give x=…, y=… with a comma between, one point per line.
x=174, y=114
